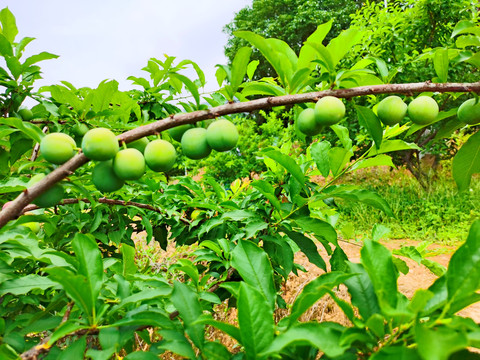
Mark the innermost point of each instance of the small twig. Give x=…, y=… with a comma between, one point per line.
x=36, y=148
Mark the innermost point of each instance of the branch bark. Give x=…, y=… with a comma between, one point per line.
x=78, y=160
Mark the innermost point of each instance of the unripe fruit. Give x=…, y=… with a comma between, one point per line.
x=391, y=110
x=177, y=132
x=469, y=112
x=25, y=114
x=100, y=144
x=423, y=110
x=329, y=110
x=194, y=144
x=80, y=129
x=57, y=148
x=307, y=123
x=49, y=198
x=129, y=164
x=160, y=155
x=139, y=144
x=222, y=135
x=104, y=178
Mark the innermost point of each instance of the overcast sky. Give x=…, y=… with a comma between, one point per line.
x=113, y=39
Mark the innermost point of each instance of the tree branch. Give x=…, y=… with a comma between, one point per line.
x=70, y=166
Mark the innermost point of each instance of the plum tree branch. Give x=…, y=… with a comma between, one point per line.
x=78, y=160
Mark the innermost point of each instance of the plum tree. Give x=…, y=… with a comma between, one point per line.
x=307, y=123
x=104, y=178
x=329, y=110
x=57, y=148
x=222, y=135
x=391, y=110
x=100, y=144
x=423, y=110
x=160, y=155
x=469, y=112
x=129, y=164
x=194, y=144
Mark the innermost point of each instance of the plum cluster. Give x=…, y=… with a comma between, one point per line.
x=117, y=165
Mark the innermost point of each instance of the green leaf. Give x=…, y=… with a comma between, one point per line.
x=90, y=263
x=25, y=284
x=361, y=290
x=37, y=58
x=349, y=192
x=189, y=84
x=128, y=260
x=64, y=329
x=187, y=303
x=255, y=319
x=8, y=353
x=308, y=247
x=324, y=336
x=177, y=343
x=262, y=88
x=320, y=151
x=269, y=192
x=338, y=158
x=215, y=351
x=378, y=263
x=467, y=162
x=321, y=229
x=78, y=289
x=277, y=52
x=392, y=145
x=288, y=163
x=314, y=291
x=141, y=355
x=6, y=48
x=440, y=63
x=379, y=160
x=370, y=121
x=438, y=343
x=396, y=353
x=239, y=67
x=251, y=68
x=463, y=274
x=12, y=185
x=144, y=295
x=74, y=350
x=9, y=26
x=31, y=130
x=461, y=27
x=343, y=43
x=254, y=267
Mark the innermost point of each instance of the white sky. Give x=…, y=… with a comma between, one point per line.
x=113, y=39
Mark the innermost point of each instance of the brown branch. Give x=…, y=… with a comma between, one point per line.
x=36, y=148
x=70, y=166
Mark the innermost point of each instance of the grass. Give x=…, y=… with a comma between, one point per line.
x=438, y=213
